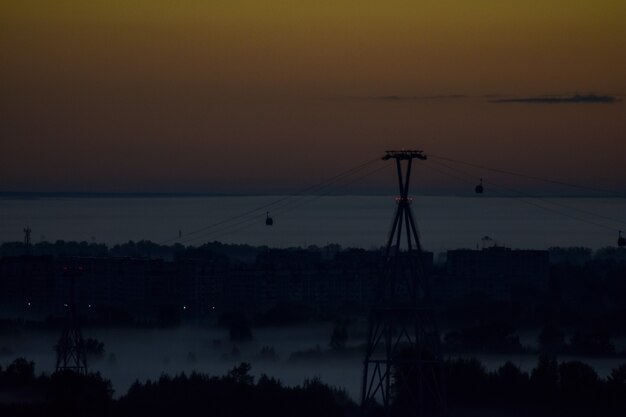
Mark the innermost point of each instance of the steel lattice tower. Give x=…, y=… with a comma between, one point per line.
x=27, y=241
x=71, y=346
x=402, y=370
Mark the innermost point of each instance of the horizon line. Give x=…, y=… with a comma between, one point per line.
x=192, y=194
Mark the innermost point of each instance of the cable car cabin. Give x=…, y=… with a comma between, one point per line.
x=268, y=220
x=621, y=240
x=479, y=188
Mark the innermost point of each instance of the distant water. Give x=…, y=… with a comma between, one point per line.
x=359, y=221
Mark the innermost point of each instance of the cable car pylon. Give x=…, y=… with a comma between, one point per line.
x=402, y=369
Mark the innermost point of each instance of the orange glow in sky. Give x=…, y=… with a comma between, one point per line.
x=140, y=95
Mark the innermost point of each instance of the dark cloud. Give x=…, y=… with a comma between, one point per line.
x=576, y=98
x=502, y=98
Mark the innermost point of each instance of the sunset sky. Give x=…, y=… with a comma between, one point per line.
x=266, y=96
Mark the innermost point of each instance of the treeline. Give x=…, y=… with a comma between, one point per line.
x=148, y=249
x=235, y=394
x=501, y=337
x=60, y=394
x=551, y=389
x=130, y=249
x=579, y=255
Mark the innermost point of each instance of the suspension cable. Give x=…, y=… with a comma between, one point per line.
x=316, y=187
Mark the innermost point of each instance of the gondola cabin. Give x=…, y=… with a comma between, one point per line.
x=268, y=220
x=479, y=188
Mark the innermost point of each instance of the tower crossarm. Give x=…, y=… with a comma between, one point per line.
x=404, y=154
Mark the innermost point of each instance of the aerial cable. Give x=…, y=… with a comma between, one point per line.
x=285, y=206
x=324, y=184
x=555, y=203
x=552, y=210
x=532, y=177
x=525, y=198
x=291, y=205
x=354, y=180
x=288, y=207
x=251, y=215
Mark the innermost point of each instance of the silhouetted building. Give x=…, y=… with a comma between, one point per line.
x=114, y=289
x=26, y=283
x=494, y=271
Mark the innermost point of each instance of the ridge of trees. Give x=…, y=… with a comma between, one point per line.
x=552, y=388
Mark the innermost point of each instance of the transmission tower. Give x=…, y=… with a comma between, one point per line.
x=402, y=370
x=71, y=346
x=27, y=241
